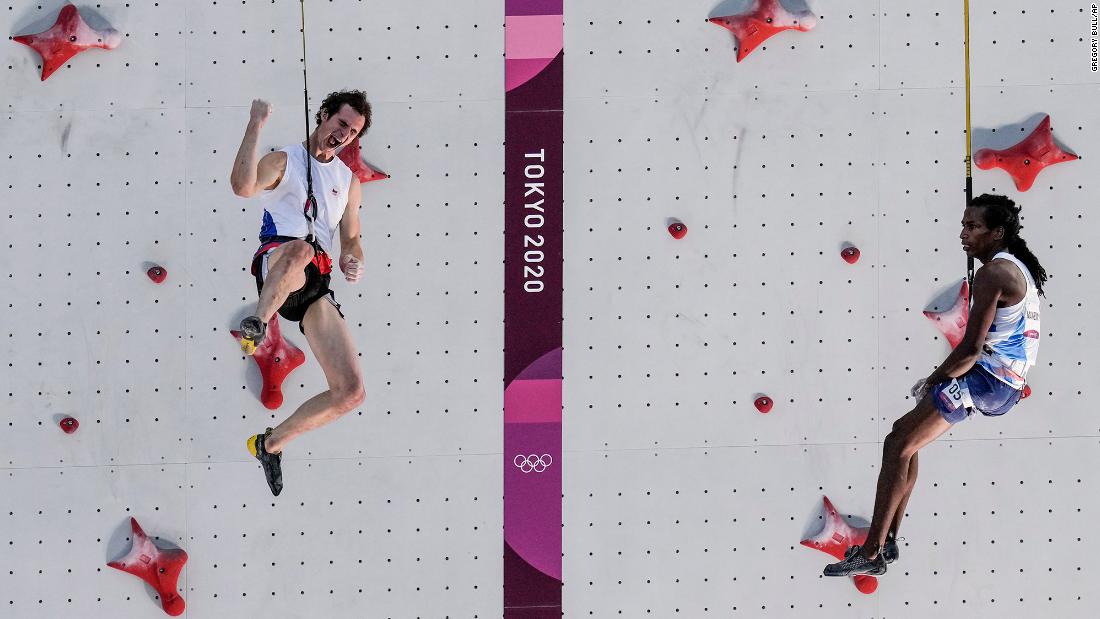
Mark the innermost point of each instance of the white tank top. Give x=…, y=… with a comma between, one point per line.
x=1012, y=344
x=285, y=204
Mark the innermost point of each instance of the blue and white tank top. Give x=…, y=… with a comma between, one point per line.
x=1012, y=344
x=284, y=205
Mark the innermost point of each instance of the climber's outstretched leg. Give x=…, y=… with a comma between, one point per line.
x=330, y=340
x=914, y=430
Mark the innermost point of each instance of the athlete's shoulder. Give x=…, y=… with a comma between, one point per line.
x=1007, y=264
x=1000, y=271
x=276, y=158
x=270, y=170
x=343, y=167
x=998, y=265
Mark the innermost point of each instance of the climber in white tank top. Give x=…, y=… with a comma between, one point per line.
x=1012, y=343
x=292, y=267
x=282, y=206
x=984, y=374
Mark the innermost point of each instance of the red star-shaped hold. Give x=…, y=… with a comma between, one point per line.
x=277, y=358
x=952, y=321
x=763, y=19
x=838, y=536
x=69, y=36
x=157, y=566
x=351, y=157
x=1025, y=160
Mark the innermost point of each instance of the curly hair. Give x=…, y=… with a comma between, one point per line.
x=357, y=99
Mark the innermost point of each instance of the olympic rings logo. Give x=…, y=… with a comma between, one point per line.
x=533, y=463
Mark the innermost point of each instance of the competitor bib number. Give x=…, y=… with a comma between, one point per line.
x=957, y=395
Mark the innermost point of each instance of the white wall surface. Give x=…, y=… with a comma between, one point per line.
x=680, y=499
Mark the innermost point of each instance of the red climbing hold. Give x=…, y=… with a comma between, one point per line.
x=1026, y=159
x=69, y=425
x=850, y=254
x=69, y=36
x=277, y=358
x=157, y=274
x=762, y=20
x=865, y=584
x=952, y=321
x=838, y=536
x=763, y=404
x=1027, y=392
x=678, y=230
x=159, y=567
x=351, y=158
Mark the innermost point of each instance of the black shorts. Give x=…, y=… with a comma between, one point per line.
x=296, y=304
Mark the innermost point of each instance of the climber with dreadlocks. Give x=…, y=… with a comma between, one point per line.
x=984, y=374
x=306, y=193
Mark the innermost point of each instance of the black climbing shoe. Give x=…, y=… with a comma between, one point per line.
x=890, y=550
x=855, y=563
x=252, y=334
x=271, y=463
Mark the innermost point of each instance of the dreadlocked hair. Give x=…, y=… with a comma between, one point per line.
x=1001, y=212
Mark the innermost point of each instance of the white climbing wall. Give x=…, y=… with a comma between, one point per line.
x=680, y=499
x=121, y=159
